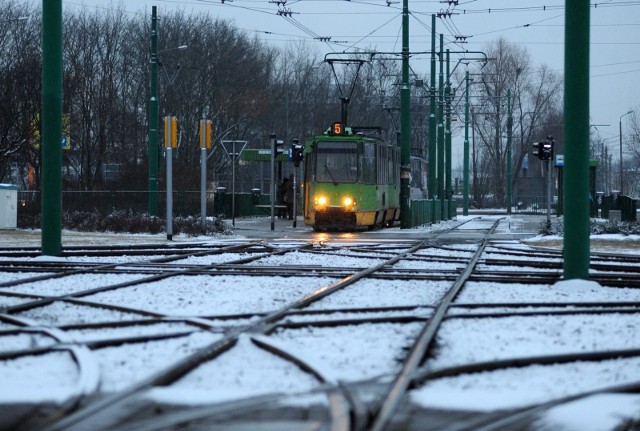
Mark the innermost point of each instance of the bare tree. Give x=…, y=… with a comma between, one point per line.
x=93, y=88
x=631, y=136
x=19, y=93
x=535, y=97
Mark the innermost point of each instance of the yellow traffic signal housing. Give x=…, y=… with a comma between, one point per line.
x=205, y=134
x=170, y=132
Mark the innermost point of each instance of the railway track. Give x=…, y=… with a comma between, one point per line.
x=342, y=333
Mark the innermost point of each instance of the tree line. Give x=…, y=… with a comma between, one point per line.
x=247, y=88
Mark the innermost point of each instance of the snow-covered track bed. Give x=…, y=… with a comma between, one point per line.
x=342, y=333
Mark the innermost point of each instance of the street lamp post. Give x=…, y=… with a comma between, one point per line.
x=153, y=148
x=620, y=124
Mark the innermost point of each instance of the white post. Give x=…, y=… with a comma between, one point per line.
x=203, y=188
x=233, y=183
x=273, y=179
x=169, y=155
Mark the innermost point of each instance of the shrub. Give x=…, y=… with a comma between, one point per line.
x=126, y=221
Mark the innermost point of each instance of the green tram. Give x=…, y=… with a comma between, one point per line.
x=351, y=181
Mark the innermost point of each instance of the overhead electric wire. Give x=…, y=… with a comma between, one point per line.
x=375, y=30
x=520, y=26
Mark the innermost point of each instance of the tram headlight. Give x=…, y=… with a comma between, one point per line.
x=320, y=202
x=348, y=202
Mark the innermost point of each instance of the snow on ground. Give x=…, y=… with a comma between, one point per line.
x=51, y=377
x=351, y=352
x=62, y=313
x=594, y=413
x=395, y=293
x=111, y=333
x=123, y=367
x=465, y=339
x=70, y=284
x=211, y=295
x=243, y=371
x=520, y=387
x=12, y=301
x=318, y=259
x=567, y=291
x=355, y=352
x=6, y=277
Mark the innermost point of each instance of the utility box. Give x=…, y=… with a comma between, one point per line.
x=8, y=206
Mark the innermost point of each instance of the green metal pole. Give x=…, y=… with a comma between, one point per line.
x=441, y=175
x=576, y=136
x=51, y=127
x=509, y=134
x=405, y=124
x=431, y=185
x=465, y=161
x=447, y=136
x=154, y=121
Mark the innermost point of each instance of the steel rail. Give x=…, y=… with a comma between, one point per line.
x=102, y=409
x=402, y=381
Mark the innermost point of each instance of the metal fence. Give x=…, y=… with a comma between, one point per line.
x=185, y=203
x=532, y=205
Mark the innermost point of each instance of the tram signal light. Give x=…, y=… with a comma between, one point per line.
x=277, y=145
x=296, y=153
x=544, y=150
x=537, y=149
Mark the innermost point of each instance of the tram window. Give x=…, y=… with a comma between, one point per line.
x=384, y=151
x=369, y=163
x=392, y=166
x=337, y=162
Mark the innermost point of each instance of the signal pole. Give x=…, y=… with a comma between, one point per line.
x=405, y=124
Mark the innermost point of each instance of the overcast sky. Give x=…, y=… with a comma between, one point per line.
x=537, y=25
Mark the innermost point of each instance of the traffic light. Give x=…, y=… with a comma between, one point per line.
x=296, y=153
x=170, y=131
x=276, y=145
x=544, y=150
x=205, y=134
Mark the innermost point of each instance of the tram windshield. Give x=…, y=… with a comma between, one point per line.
x=336, y=162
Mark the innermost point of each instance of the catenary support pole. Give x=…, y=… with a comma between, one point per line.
x=576, y=136
x=433, y=150
x=465, y=157
x=448, y=194
x=440, y=169
x=51, y=181
x=433, y=146
x=509, y=137
x=405, y=124
x=154, y=122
